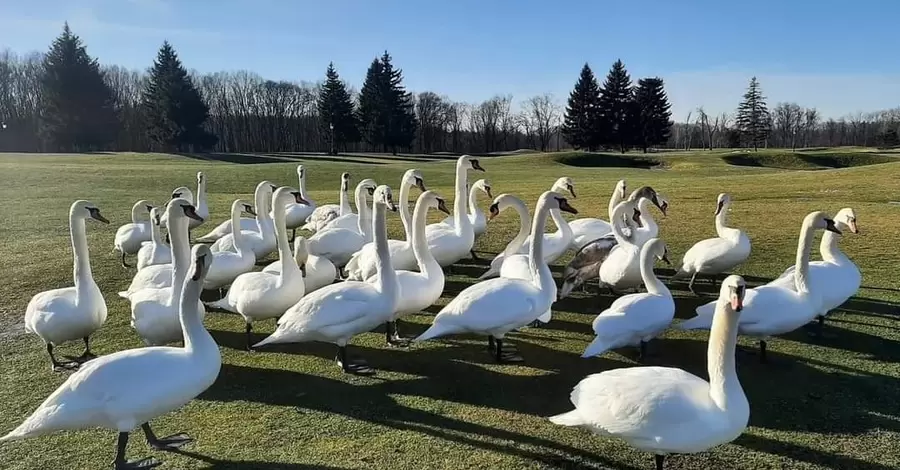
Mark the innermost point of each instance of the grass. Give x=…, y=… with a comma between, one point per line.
x=831, y=403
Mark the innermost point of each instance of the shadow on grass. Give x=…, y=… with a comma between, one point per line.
x=805, y=454
x=218, y=464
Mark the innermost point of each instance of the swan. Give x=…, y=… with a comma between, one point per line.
x=716, y=255
x=319, y=272
x=635, y=319
x=556, y=243
x=154, y=311
x=587, y=229
x=130, y=236
x=129, y=388
x=324, y=214
x=338, y=312
x=362, y=220
x=622, y=269
x=199, y=203
x=261, y=223
x=418, y=290
x=501, y=203
x=476, y=216
x=774, y=309
x=70, y=313
x=497, y=306
x=156, y=251
x=585, y=265
x=260, y=240
x=664, y=410
x=450, y=244
x=362, y=264
x=647, y=228
x=259, y=295
x=835, y=278
x=295, y=214
x=227, y=265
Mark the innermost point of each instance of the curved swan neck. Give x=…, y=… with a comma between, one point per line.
x=344, y=200
x=262, y=209
x=614, y=201
x=196, y=338
x=647, y=220
x=181, y=251
x=830, y=249
x=540, y=273
x=289, y=266
x=722, y=228
x=617, y=222
x=302, y=183
x=562, y=226
x=201, y=192
x=387, y=278
x=81, y=258
x=460, y=216
x=723, y=379
x=524, y=228
x=236, y=231
x=653, y=284
x=473, y=199
x=404, y=210
x=428, y=266
x=364, y=217
x=136, y=212
x=802, y=270
x=155, y=235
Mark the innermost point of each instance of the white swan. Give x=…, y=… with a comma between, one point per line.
x=362, y=264
x=129, y=388
x=130, y=236
x=259, y=295
x=361, y=221
x=450, y=244
x=200, y=203
x=501, y=203
x=663, y=410
x=647, y=228
x=324, y=214
x=716, y=255
x=260, y=240
x=227, y=265
x=318, y=272
x=772, y=309
x=156, y=251
x=497, y=306
x=154, y=311
x=556, y=243
x=295, y=214
x=587, y=229
x=338, y=312
x=622, y=269
x=261, y=223
x=635, y=319
x=338, y=244
x=70, y=313
x=835, y=278
x=418, y=290
x=476, y=216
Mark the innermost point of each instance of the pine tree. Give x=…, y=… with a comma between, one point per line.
x=617, y=111
x=173, y=110
x=78, y=108
x=582, y=112
x=653, y=113
x=336, y=113
x=753, y=116
x=386, y=109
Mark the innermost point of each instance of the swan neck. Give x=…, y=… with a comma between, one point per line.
x=723, y=379
x=236, y=231
x=473, y=199
x=181, y=252
x=155, y=236
x=524, y=229
x=540, y=273
x=614, y=201
x=201, y=192
x=387, y=278
x=653, y=284
x=404, y=210
x=262, y=208
x=802, y=262
x=562, y=226
x=81, y=258
x=427, y=264
x=302, y=184
x=722, y=228
x=460, y=216
x=136, y=213
x=617, y=222
x=364, y=217
x=196, y=337
x=830, y=249
x=289, y=267
x=344, y=201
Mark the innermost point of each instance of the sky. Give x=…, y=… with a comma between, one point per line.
x=839, y=56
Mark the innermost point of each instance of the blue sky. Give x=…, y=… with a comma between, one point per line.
x=839, y=56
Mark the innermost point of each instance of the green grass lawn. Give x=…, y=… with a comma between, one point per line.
x=829, y=403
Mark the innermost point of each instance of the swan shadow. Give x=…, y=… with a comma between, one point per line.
x=806, y=454
x=219, y=464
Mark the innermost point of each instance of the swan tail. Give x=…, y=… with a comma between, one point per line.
x=280, y=335
x=491, y=272
x=571, y=418
x=44, y=420
x=546, y=316
x=681, y=273
x=597, y=347
x=125, y=294
x=434, y=331
x=221, y=304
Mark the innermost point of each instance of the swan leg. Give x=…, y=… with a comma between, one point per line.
x=691, y=284
x=120, y=463
x=87, y=355
x=643, y=351
x=60, y=366
x=660, y=459
x=762, y=352
x=392, y=335
x=474, y=256
x=535, y=324
x=249, y=334
x=820, y=325
x=354, y=366
x=511, y=355
x=124, y=264
x=175, y=441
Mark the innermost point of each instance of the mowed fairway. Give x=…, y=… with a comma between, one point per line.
x=821, y=403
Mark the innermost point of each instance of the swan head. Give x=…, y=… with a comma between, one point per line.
x=201, y=178
x=433, y=200
x=300, y=171
x=86, y=210
x=485, y=186
x=301, y=253
x=658, y=248
x=564, y=184
x=473, y=163
x=286, y=195
x=143, y=204
x=722, y=203
x=413, y=177
x=383, y=195
x=240, y=206
x=557, y=201
x=368, y=184
x=184, y=193
x=846, y=220
x=649, y=193
x=181, y=207
x=345, y=181
x=622, y=189
x=502, y=202
x=820, y=220
x=732, y=292
x=202, y=260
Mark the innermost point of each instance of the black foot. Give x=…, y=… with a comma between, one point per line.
x=474, y=256
x=85, y=356
x=137, y=464
x=510, y=357
x=355, y=366
x=173, y=442
x=396, y=341
x=65, y=366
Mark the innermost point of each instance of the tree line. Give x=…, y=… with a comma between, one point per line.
x=65, y=100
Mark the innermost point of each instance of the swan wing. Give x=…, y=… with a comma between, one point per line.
x=333, y=305
x=494, y=303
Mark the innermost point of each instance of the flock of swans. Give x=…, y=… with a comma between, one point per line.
x=660, y=410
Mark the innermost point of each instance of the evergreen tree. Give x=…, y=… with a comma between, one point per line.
x=173, y=110
x=336, y=113
x=653, y=113
x=78, y=108
x=582, y=112
x=386, y=109
x=617, y=123
x=753, y=116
